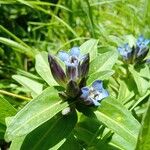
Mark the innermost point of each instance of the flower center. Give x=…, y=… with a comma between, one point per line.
x=94, y=94
x=73, y=60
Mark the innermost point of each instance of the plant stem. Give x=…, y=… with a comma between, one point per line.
x=14, y=95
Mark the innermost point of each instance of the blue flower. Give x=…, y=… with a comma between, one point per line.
x=137, y=53
x=76, y=71
x=92, y=95
x=76, y=66
x=142, y=42
x=142, y=46
x=72, y=58
x=125, y=51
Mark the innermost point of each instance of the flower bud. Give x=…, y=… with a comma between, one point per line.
x=85, y=66
x=56, y=70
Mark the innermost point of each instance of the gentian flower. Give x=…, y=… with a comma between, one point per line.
x=142, y=43
x=76, y=66
x=125, y=51
x=94, y=94
x=142, y=47
x=75, y=75
x=135, y=54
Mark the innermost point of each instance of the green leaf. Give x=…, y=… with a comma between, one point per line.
x=102, y=75
x=2, y=130
x=43, y=69
x=71, y=144
x=144, y=136
x=141, y=83
x=103, y=62
x=145, y=72
x=140, y=99
x=130, y=39
x=86, y=130
x=33, y=86
x=17, y=46
x=124, y=94
x=49, y=134
x=29, y=75
x=35, y=113
x=121, y=143
x=90, y=47
x=94, y=135
x=117, y=118
x=17, y=142
x=13, y=35
x=6, y=110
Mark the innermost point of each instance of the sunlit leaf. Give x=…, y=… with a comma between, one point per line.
x=33, y=86
x=35, y=113
x=49, y=134
x=90, y=47
x=103, y=62
x=117, y=118
x=141, y=83
x=6, y=110
x=43, y=69
x=143, y=142
x=102, y=75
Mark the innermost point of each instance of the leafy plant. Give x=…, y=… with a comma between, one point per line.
x=89, y=97
x=51, y=108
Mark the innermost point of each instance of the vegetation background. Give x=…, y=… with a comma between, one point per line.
x=28, y=27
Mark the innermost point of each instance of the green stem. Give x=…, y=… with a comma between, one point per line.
x=14, y=95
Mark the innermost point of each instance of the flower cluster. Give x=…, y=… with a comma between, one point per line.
x=137, y=53
x=94, y=94
x=73, y=79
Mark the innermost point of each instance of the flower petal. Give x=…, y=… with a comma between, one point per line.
x=56, y=70
x=75, y=51
x=121, y=50
x=85, y=92
x=125, y=51
x=104, y=93
x=142, y=54
x=71, y=72
x=85, y=66
x=146, y=42
x=127, y=47
x=64, y=56
x=140, y=39
x=68, y=64
x=97, y=85
x=141, y=42
x=96, y=103
x=72, y=62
